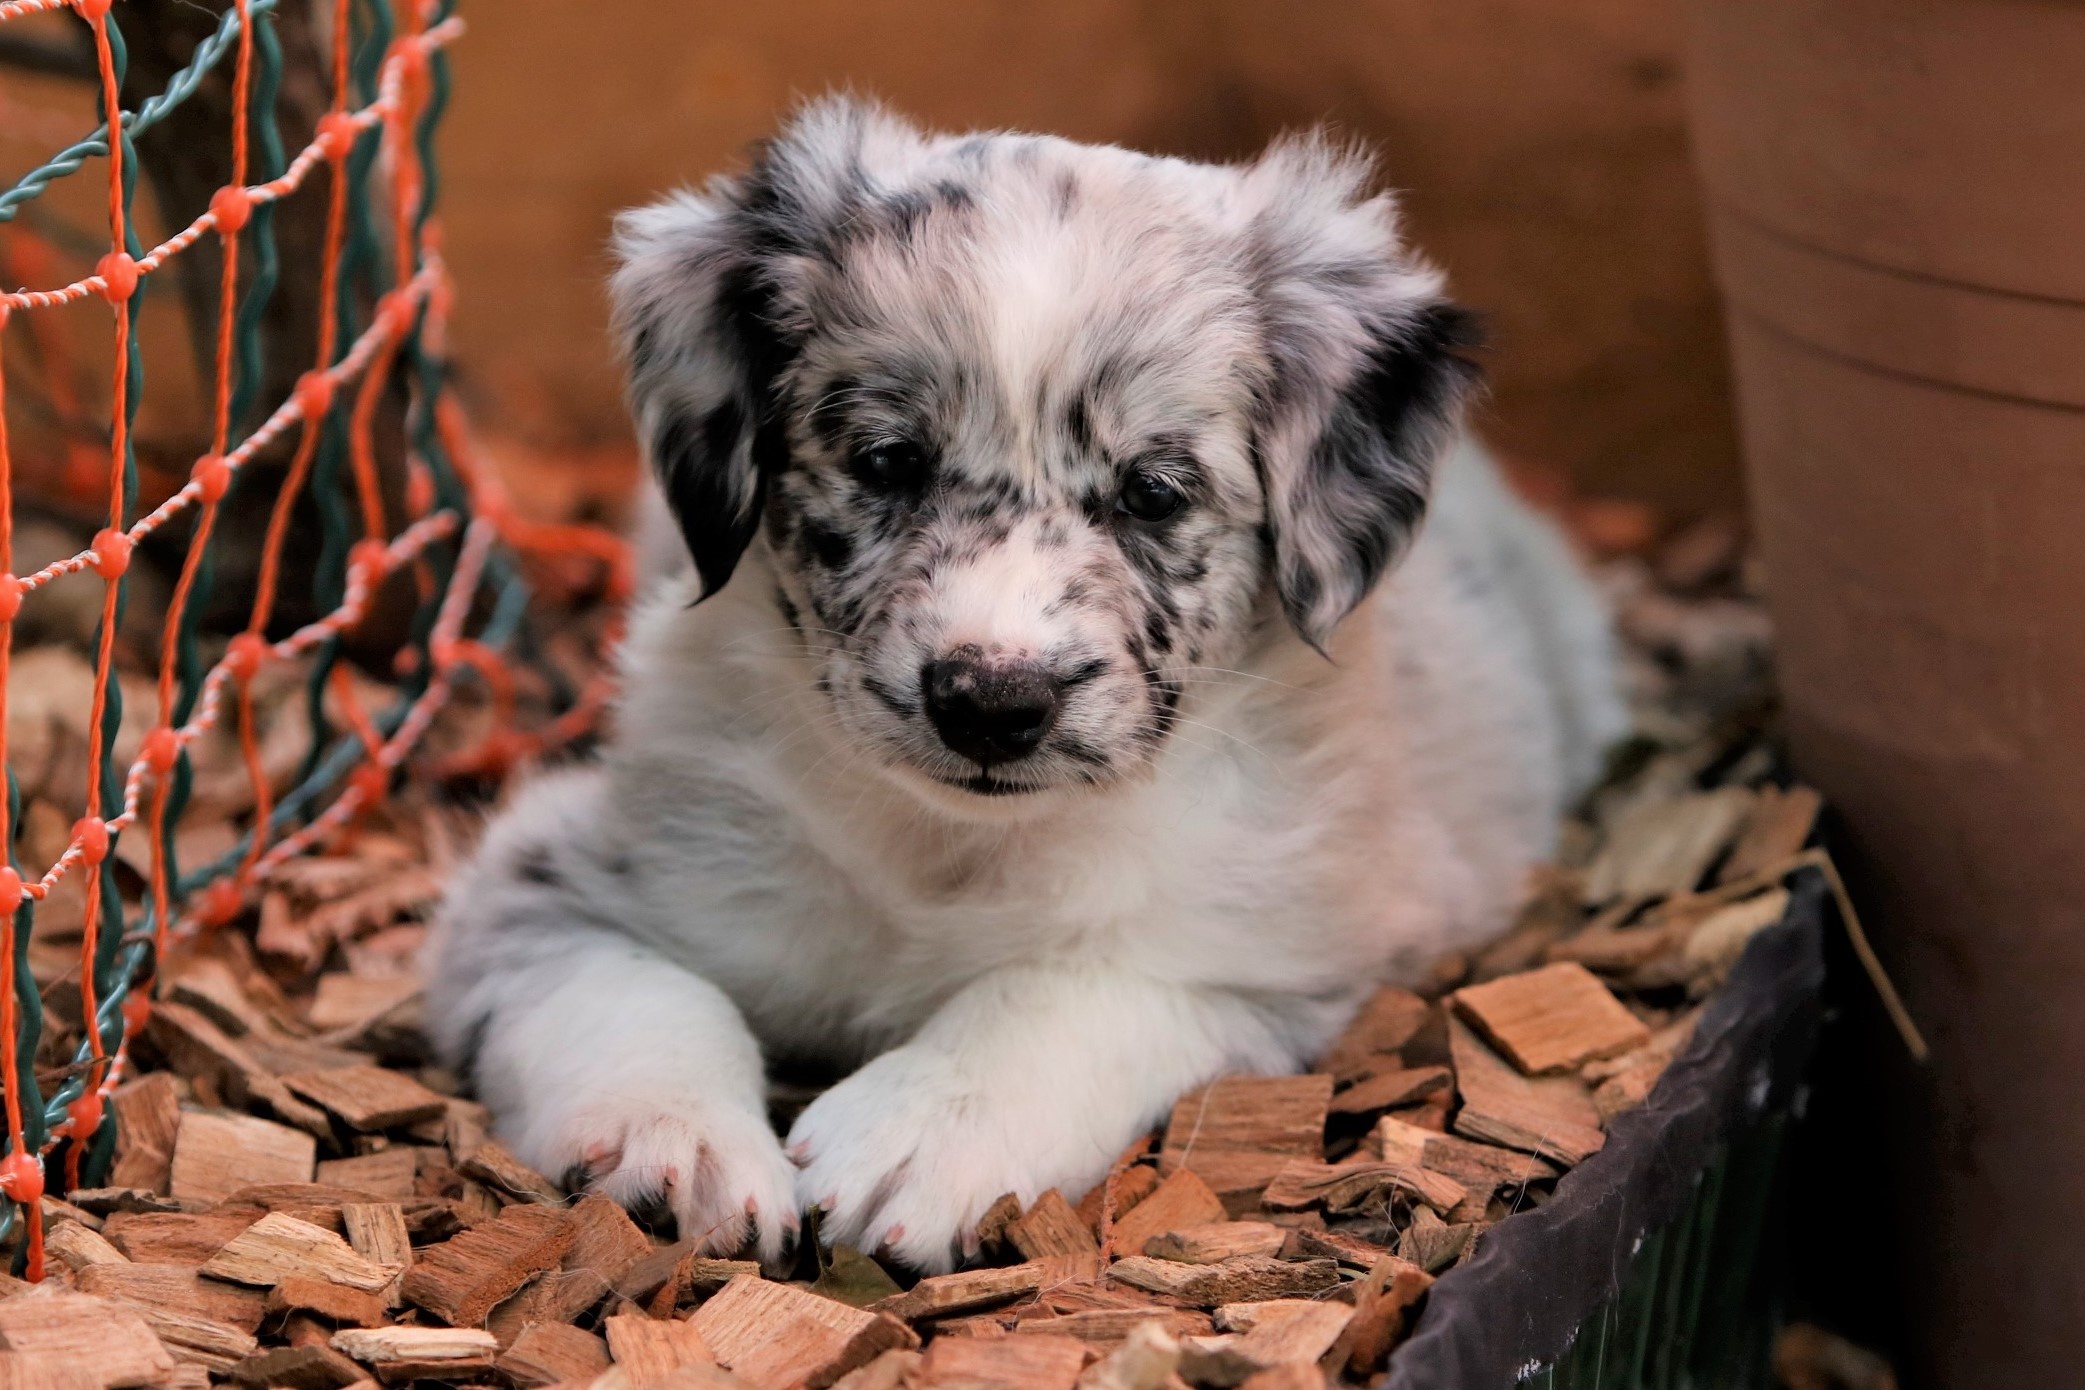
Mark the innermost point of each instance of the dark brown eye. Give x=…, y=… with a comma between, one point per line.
x=1149, y=496
x=896, y=466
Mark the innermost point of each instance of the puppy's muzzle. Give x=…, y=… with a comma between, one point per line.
x=990, y=710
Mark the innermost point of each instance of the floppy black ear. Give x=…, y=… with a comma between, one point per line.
x=702, y=353
x=1369, y=373
x=698, y=294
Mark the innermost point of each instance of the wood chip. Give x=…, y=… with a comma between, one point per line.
x=1126, y=1188
x=552, y=1352
x=561, y=1296
x=648, y=1348
x=217, y=1154
x=404, y=1353
x=1781, y=825
x=76, y=1329
x=1237, y=1132
x=1391, y=1087
x=1388, y=1021
x=308, y=1367
x=385, y=1173
x=148, y=1114
x=195, y=1340
x=1050, y=1227
x=336, y=1303
x=1346, y=1186
x=367, y=1097
x=1024, y=1361
x=1144, y=1361
x=1664, y=845
x=1216, y=1242
x=491, y=1164
x=1244, y=1279
x=888, y=1371
x=176, y=1286
x=1551, y=1116
x=1383, y=1301
x=21, y=1371
x=1715, y=944
x=1434, y=1244
x=76, y=1247
x=183, y=1238
x=1482, y=1168
x=605, y=1239
x=778, y=1337
x=461, y=1279
x=1551, y=1019
x=1281, y=1332
x=1181, y=1199
x=1343, y=1246
x=349, y=1003
x=279, y=1246
x=945, y=1295
x=377, y=1232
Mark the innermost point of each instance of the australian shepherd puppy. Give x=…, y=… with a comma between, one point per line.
x=1104, y=660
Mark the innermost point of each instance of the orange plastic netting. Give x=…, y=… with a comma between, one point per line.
x=451, y=545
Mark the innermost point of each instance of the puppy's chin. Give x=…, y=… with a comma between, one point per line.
x=987, y=798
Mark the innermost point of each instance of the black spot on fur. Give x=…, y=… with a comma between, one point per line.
x=830, y=548
x=1065, y=195
x=539, y=868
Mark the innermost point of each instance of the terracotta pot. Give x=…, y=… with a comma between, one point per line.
x=1898, y=203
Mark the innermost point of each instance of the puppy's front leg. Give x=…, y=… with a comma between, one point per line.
x=1032, y=1077
x=595, y=1053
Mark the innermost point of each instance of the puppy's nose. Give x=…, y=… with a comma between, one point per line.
x=990, y=712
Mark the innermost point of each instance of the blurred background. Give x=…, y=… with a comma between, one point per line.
x=1542, y=147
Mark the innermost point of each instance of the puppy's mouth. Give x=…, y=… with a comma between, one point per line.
x=985, y=784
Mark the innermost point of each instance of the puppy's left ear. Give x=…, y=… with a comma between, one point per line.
x=1368, y=377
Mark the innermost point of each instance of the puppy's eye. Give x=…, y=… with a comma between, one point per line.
x=1149, y=496
x=898, y=466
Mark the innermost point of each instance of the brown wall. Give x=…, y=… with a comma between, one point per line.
x=1541, y=142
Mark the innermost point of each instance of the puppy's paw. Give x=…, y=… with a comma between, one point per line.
x=905, y=1155
x=719, y=1169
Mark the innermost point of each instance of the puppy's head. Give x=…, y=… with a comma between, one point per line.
x=1030, y=430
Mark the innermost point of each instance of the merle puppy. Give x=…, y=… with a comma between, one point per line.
x=1065, y=705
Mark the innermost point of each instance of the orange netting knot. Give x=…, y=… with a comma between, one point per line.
x=111, y=553
x=91, y=834
x=394, y=313
x=10, y=597
x=160, y=748
x=243, y=655
x=118, y=272
x=85, y=1114
x=213, y=478
x=230, y=206
x=21, y=1177
x=10, y=891
x=368, y=561
x=92, y=10
x=410, y=53
x=336, y=135
x=405, y=661
x=137, y=1011
x=314, y=394
x=372, y=781
x=219, y=903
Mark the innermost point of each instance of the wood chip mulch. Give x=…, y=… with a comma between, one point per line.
x=300, y=1199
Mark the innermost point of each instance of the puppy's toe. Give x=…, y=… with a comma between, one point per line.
x=897, y=1162
x=721, y=1174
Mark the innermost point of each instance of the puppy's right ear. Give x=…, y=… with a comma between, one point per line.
x=693, y=313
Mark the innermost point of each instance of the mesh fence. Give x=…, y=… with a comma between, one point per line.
x=439, y=538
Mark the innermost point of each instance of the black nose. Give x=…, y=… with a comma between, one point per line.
x=990, y=711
